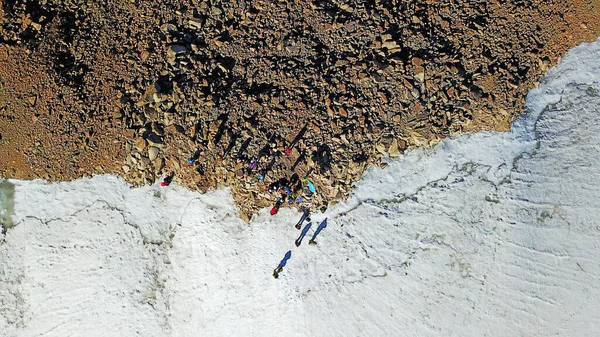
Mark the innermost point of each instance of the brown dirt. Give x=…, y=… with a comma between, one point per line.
x=44, y=133
x=105, y=87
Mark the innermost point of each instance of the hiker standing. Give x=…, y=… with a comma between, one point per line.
x=282, y=264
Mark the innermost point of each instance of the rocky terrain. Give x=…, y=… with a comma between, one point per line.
x=319, y=89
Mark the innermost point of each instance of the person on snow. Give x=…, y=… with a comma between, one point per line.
x=282, y=264
x=304, y=231
x=305, y=216
x=319, y=229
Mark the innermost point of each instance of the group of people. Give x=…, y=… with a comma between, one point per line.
x=298, y=241
x=293, y=191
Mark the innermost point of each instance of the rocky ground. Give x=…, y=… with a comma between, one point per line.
x=136, y=88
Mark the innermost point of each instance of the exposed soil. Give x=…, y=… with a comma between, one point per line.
x=136, y=88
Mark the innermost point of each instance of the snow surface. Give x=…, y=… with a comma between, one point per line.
x=490, y=234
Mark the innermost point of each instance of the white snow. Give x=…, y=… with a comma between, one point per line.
x=490, y=234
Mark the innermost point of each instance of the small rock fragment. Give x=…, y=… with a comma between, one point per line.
x=393, y=150
x=141, y=144
x=153, y=153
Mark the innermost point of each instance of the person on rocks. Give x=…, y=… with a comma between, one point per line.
x=247, y=171
x=167, y=180
x=296, y=193
x=191, y=160
x=275, y=208
x=274, y=187
x=285, y=190
x=310, y=187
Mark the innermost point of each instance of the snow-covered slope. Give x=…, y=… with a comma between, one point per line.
x=491, y=234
